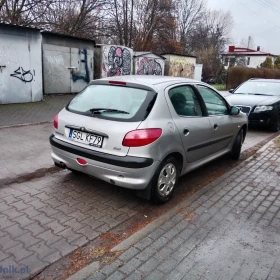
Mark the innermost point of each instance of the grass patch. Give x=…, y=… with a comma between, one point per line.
x=219, y=86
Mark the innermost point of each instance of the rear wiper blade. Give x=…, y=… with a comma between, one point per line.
x=99, y=110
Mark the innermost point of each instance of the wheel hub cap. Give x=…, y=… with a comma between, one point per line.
x=167, y=179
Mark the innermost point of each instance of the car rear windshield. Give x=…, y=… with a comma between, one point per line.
x=259, y=87
x=113, y=102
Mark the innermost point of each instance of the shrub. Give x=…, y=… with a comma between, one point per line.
x=238, y=75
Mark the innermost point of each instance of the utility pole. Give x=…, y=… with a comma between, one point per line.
x=249, y=41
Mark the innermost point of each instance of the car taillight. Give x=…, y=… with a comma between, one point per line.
x=141, y=137
x=55, y=122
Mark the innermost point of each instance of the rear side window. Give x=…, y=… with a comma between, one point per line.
x=184, y=101
x=113, y=102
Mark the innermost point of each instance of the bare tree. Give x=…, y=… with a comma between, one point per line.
x=23, y=12
x=190, y=13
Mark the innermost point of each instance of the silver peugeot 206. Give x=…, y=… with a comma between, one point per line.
x=144, y=132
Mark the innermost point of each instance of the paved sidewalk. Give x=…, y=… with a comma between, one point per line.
x=23, y=113
x=228, y=230
x=24, y=150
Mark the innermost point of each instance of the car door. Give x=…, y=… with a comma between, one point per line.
x=188, y=115
x=223, y=128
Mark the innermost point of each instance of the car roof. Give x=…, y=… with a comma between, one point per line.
x=265, y=80
x=149, y=79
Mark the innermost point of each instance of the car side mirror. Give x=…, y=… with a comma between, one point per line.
x=234, y=111
x=231, y=90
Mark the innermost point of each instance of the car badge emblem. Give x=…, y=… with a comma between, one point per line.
x=83, y=128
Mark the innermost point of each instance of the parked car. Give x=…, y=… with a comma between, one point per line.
x=143, y=132
x=260, y=100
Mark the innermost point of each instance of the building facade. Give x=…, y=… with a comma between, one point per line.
x=236, y=56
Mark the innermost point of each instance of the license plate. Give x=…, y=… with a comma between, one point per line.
x=86, y=138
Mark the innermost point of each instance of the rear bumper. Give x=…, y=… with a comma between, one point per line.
x=129, y=172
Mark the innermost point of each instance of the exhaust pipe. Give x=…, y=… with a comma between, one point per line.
x=61, y=165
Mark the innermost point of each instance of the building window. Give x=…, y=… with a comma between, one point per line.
x=248, y=60
x=226, y=61
x=232, y=61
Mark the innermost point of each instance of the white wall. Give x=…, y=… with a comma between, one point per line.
x=198, y=72
x=20, y=65
x=255, y=60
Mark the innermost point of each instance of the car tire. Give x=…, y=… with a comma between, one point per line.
x=237, y=145
x=276, y=126
x=165, y=181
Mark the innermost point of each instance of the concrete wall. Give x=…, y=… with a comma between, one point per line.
x=20, y=65
x=148, y=65
x=198, y=72
x=67, y=63
x=179, y=66
x=115, y=61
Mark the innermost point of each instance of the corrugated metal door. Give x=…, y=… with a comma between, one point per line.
x=56, y=63
x=15, y=73
x=81, y=68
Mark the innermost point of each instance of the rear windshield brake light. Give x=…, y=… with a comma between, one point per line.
x=117, y=83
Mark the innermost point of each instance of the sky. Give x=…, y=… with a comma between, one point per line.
x=256, y=18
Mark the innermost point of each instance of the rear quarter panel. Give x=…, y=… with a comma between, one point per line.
x=170, y=140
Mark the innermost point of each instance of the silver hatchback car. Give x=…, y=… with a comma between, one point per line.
x=143, y=132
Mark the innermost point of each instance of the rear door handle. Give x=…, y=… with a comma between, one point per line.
x=215, y=126
x=186, y=132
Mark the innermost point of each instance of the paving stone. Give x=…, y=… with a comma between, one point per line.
x=19, y=252
x=110, y=268
x=48, y=237
x=28, y=240
x=63, y=247
x=15, y=231
x=146, y=254
x=147, y=267
x=130, y=266
x=97, y=276
x=143, y=243
x=7, y=242
x=35, y=228
x=155, y=275
x=55, y=227
x=88, y=232
x=116, y=276
x=5, y=222
x=129, y=254
x=42, y=250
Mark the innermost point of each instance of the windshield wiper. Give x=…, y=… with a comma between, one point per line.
x=101, y=110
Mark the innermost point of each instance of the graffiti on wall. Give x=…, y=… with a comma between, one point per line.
x=182, y=67
x=149, y=66
x=24, y=75
x=116, y=61
x=9, y=57
x=83, y=72
x=55, y=59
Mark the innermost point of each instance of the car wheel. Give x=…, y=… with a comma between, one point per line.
x=165, y=180
x=276, y=126
x=237, y=145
